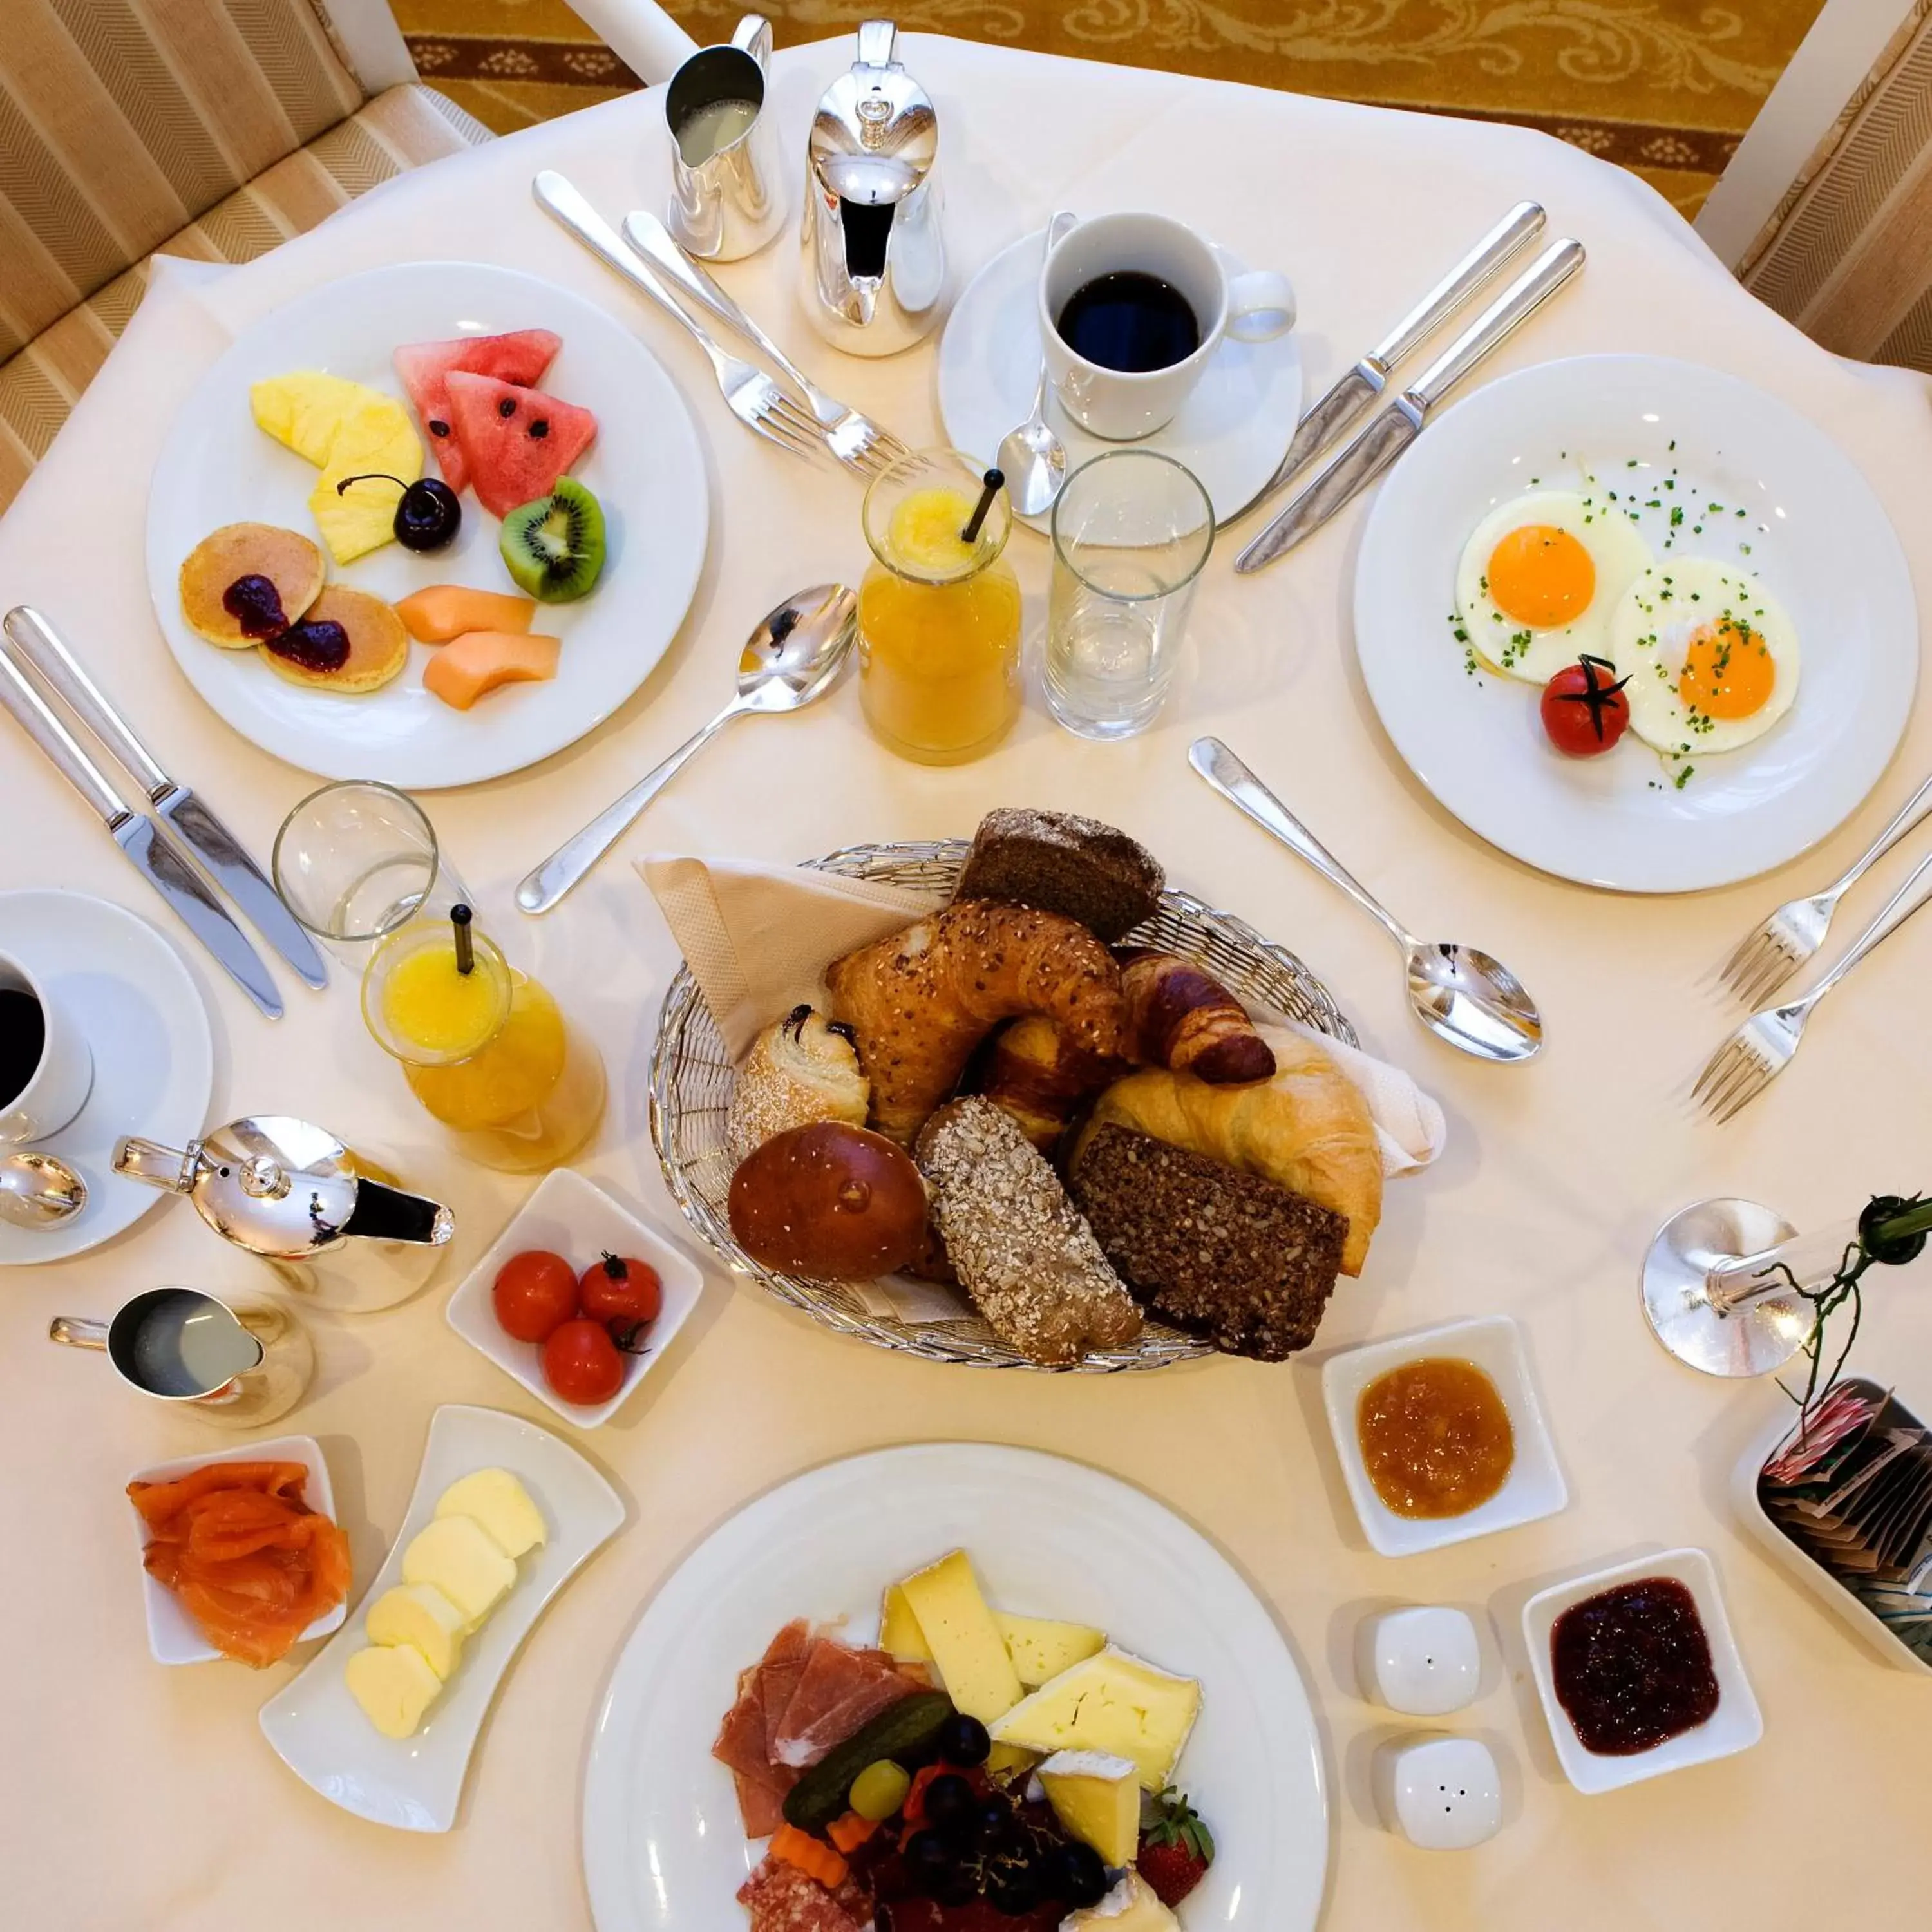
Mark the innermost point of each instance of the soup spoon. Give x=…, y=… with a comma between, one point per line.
x=793, y=657
x=1463, y=996
x=38, y=1191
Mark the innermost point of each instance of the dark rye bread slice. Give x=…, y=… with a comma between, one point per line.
x=1056, y=861
x=1220, y=1253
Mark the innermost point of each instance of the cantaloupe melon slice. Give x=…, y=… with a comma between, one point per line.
x=470, y=667
x=440, y=611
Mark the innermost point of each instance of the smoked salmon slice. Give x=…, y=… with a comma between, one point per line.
x=253, y=1564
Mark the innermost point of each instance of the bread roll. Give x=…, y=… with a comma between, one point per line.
x=829, y=1201
x=1061, y=863
x=800, y=1069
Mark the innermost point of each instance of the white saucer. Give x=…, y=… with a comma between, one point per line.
x=153, y=1057
x=1231, y=432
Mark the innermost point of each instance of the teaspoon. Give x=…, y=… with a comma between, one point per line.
x=1463, y=996
x=38, y=1191
x=794, y=656
x=1032, y=458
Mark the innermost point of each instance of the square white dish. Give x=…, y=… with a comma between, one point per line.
x=415, y=1783
x=1535, y=1487
x=173, y=1637
x=572, y=1217
x=1734, y=1726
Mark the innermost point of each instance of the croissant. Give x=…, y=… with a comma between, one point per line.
x=1181, y=1017
x=1032, y=1073
x=918, y=1001
x=1308, y=1129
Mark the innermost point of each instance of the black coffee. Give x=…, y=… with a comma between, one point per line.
x=23, y=1037
x=1129, y=321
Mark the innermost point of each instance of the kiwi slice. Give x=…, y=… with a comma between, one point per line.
x=554, y=547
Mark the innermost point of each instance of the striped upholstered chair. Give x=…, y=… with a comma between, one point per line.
x=208, y=128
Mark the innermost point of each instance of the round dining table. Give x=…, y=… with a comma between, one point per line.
x=133, y=1796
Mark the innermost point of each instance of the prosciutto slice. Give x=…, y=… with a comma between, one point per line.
x=839, y=1690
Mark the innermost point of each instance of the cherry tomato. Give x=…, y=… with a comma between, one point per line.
x=1585, y=711
x=582, y=1362
x=536, y=1292
x=622, y=1288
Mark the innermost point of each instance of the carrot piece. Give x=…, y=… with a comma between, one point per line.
x=812, y=1856
x=850, y=1831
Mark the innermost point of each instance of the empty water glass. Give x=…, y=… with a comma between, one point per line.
x=1131, y=531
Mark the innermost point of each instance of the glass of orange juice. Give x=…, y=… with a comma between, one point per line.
x=939, y=612
x=485, y=1048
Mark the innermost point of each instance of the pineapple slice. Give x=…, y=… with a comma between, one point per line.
x=305, y=410
x=377, y=437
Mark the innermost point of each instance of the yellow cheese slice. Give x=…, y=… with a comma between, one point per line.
x=1097, y=1796
x=394, y=1685
x=899, y=1632
x=1111, y=1703
x=455, y=1554
x=502, y=1505
x=1041, y=1648
x=420, y=1615
x=964, y=1641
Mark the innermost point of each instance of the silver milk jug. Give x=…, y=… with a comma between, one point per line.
x=726, y=196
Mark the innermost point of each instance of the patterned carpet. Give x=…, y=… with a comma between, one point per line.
x=1664, y=87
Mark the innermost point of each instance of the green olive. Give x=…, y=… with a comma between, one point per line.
x=880, y=1789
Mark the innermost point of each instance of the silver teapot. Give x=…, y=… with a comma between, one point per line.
x=340, y=1231
x=874, y=261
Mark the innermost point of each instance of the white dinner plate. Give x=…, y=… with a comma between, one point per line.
x=1816, y=536
x=154, y=1056
x=646, y=469
x=415, y=1783
x=663, y=1848
x=1231, y=432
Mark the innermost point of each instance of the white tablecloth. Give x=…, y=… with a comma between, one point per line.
x=132, y=1796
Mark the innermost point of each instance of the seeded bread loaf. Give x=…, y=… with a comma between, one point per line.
x=1059, y=862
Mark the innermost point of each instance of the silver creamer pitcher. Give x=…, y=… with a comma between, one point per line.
x=726, y=199
x=874, y=261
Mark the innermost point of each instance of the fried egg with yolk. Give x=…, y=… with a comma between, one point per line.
x=1539, y=579
x=1712, y=656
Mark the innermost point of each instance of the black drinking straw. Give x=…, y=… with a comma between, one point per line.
x=994, y=482
x=465, y=949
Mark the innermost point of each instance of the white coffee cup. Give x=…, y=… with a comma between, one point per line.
x=1122, y=405
x=58, y=1086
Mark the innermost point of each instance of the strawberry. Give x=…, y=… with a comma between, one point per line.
x=1177, y=1848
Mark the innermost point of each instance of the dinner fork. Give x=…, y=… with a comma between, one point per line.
x=1771, y=954
x=857, y=442
x=751, y=396
x=1761, y=1048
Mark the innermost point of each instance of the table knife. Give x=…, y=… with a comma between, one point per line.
x=155, y=857
x=1390, y=433
x=1364, y=382
x=211, y=841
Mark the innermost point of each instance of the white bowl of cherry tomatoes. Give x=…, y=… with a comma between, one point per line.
x=576, y=1300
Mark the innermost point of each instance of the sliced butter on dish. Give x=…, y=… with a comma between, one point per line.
x=394, y=1685
x=501, y=1504
x=1096, y=1797
x=457, y=1555
x=1133, y=1906
x=1041, y=1648
x=421, y=1616
x=1113, y=1703
x=964, y=1641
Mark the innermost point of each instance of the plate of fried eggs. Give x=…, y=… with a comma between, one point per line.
x=1709, y=550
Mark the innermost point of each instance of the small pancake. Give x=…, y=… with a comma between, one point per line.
x=288, y=560
x=379, y=646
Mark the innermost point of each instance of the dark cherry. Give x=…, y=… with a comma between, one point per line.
x=962, y=1740
x=952, y=1808
x=256, y=604
x=318, y=645
x=428, y=513
x=1074, y=1873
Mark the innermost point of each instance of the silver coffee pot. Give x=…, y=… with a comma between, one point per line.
x=342, y=1232
x=875, y=260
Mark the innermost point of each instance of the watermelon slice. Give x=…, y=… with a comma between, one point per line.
x=516, y=442
x=521, y=357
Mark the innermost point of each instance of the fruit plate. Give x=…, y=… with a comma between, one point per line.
x=664, y=1848
x=692, y=1075
x=415, y=1783
x=645, y=468
x=1817, y=536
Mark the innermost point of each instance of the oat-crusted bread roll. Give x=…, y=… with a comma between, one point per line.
x=801, y=1068
x=1019, y=1245
x=1223, y=1254
x=1061, y=863
x=920, y=1000
x=1308, y=1129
